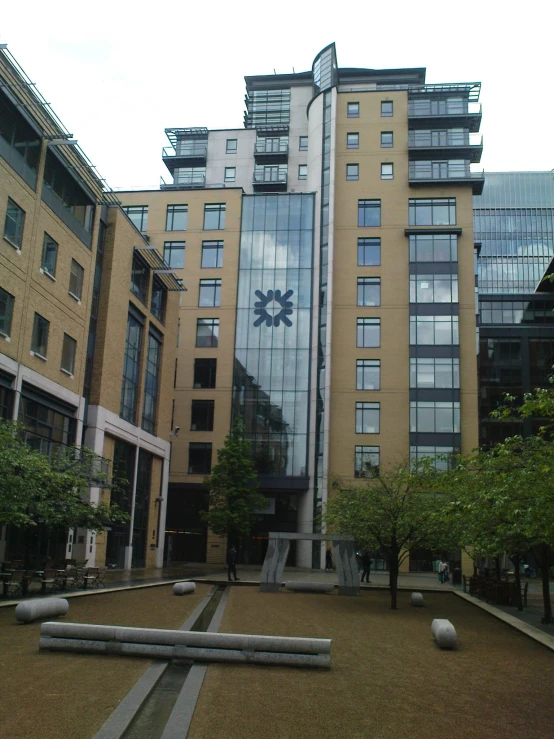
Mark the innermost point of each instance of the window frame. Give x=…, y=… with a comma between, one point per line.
x=140, y=279
x=355, y=144
x=360, y=451
x=46, y=242
x=227, y=176
x=366, y=207
x=218, y=209
x=368, y=282
x=216, y=246
x=210, y=367
x=441, y=286
x=173, y=212
x=68, y=341
x=15, y=239
x=450, y=368
x=229, y=149
x=353, y=110
x=303, y=143
x=79, y=277
x=36, y=346
x=213, y=336
x=418, y=206
x=384, y=109
x=198, y=406
x=7, y=317
x=207, y=286
x=158, y=288
x=363, y=321
x=302, y=171
x=363, y=247
x=416, y=336
x=367, y=364
x=352, y=172
x=385, y=173
x=177, y=247
x=137, y=210
x=385, y=145
x=417, y=426
x=364, y=407
x=207, y=448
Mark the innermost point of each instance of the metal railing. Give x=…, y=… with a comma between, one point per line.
x=271, y=147
x=428, y=140
x=195, y=151
x=429, y=171
x=441, y=108
x=270, y=177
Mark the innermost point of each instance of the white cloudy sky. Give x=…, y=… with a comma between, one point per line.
x=118, y=72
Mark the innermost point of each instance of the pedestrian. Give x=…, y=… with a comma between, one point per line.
x=232, y=564
x=328, y=560
x=366, y=566
x=443, y=568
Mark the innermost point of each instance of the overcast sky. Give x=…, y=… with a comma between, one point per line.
x=119, y=72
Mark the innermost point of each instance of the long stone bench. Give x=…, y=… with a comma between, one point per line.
x=45, y=608
x=309, y=587
x=444, y=633
x=192, y=645
x=181, y=588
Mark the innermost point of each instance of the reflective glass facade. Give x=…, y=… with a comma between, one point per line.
x=272, y=342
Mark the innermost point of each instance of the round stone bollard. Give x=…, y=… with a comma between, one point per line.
x=444, y=632
x=45, y=608
x=182, y=588
x=417, y=600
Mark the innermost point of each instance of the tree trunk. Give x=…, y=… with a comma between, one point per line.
x=544, y=555
x=516, y=559
x=393, y=579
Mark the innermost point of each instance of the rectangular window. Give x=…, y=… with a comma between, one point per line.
x=49, y=255
x=202, y=415
x=435, y=417
x=174, y=254
x=368, y=332
x=352, y=140
x=209, y=295
x=138, y=214
x=443, y=456
x=205, y=371
x=432, y=211
x=353, y=110
x=131, y=370
x=158, y=300
x=434, y=288
x=302, y=171
x=200, y=459
x=434, y=330
x=369, y=291
x=369, y=252
x=435, y=372
x=76, y=276
x=302, y=143
x=13, y=225
x=230, y=174
x=140, y=278
x=69, y=349
x=369, y=213
x=352, y=172
x=212, y=254
x=366, y=461
x=367, y=418
x=368, y=374
x=6, y=312
x=387, y=171
x=386, y=109
x=231, y=147
x=433, y=248
x=207, y=332
x=176, y=217
x=214, y=216
x=39, y=342
x=386, y=139
x=151, y=383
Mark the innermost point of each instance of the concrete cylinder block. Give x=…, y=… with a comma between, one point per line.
x=309, y=587
x=182, y=588
x=417, y=600
x=46, y=608
x=444, y=632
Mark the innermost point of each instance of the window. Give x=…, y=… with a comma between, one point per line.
x=209, y=295
x=435, y=417
x=231, y=147
x=369, y=252
x=369, y=291
x=434, y=330
x=352, y=140
x=174, y=254
x=353, y=110
x=207, y=332
x=433, y=248
x=352, y=172
x=387, y=171
x=49, y=255
x=368, y=374
x=212, y=254
x=39, y=341
x=158, y=300
x=433, y=288
x=214, y=216
x=302, y=171
x=205, y=371
x=367, y=418
x=76, y=276
x=369, y=212
x=368, y=332
x=140, y=278
x=176, y=217
x=366, y=461
x=69, y=349
x=13, y=225
x=386, y=140
x=434, y=372
x=151, y=383
x=302, y=143
x=200, y=459
x=230, y=174
x=131, y=370
x=432, y=212
x=6, y=312
x=202, y=415
x=386, y=109
x=138, y=214
x=442, y=455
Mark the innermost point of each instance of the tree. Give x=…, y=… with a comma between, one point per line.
x=233, y=487
x=392, y=512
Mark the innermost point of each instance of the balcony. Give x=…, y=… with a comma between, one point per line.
x=445, y=173
x=270, y=179
x=444, y=145
x=442, y=113
x=193, y=155
x=271, y=152
x=193, y=181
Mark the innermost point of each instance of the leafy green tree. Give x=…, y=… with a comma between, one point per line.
x=233, y=487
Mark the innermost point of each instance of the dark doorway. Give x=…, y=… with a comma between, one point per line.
x=188, y=532
x=282, y=515
x=140, y=519
x=121, y=493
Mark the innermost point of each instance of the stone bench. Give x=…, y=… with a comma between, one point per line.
x=444, y=633
x=44, y=608
x=309, y=587
x=181, y=588
x=417, y=600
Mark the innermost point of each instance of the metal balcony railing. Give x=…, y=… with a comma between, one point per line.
x=434, y=139
x=271, y=147
x=196, y=179
x=270, y=178
x=194, y=151
x=428, y=173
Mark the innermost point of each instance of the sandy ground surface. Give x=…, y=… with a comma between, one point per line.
x=388, y=679
x=47, y=695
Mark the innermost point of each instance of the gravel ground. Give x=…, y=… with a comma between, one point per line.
x=388, y=678
x=67, y=696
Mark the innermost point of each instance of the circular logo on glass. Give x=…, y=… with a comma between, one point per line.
x=273, y=308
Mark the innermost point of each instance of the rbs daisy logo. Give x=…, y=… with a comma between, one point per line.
x=273, y=308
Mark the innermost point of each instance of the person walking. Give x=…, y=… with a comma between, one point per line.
x=366, y=566
x=443, y=571
x=232, y=564
x=328, y=560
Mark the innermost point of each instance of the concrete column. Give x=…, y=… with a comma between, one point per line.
x=467, y=564
x=129, y=547
x=305, y=526
x=163, y=510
